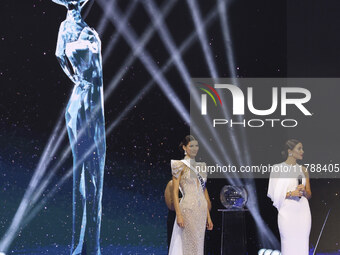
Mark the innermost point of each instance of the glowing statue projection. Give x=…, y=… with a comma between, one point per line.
x=79, y=54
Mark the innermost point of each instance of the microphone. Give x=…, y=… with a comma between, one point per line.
x=300, y=182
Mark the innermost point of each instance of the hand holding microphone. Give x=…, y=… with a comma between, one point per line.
x=300, y=186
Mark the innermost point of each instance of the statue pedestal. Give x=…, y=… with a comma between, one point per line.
x=233, y=238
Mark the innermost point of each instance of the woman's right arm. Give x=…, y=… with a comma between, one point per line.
x=175, y=183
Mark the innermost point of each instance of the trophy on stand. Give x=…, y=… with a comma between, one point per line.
x=233, y=238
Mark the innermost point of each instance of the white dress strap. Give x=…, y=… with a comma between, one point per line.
x=198, y=175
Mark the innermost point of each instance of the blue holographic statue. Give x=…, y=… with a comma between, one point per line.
x=79, y=54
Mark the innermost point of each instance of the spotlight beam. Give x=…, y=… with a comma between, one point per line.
x=264, y=232
x=145, y=38
x=149, y=64
x=168, y=41
x=323, y=226
x=202, y=37
x=231, y=64
x=25, y=202
x=266, y=235
x=197, y=19
x=130, y=10
x=208, y=55
x=100, y=28
x=88, y=9
x=232, y=67
x=152, y=68
x=227, y=38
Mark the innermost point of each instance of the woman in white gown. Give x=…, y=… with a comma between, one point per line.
x=289, y=189
x=192, y=214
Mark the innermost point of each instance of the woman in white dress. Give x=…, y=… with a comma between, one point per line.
x=192, y=214
x=289, y=189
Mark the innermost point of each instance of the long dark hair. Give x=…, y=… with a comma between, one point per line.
x=186, y=141
x=289, y=145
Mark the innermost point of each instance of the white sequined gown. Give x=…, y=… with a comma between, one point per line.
x=294, y=216
x=190, y=239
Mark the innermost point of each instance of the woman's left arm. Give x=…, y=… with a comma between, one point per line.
x=308, y=191
x=206, y=194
